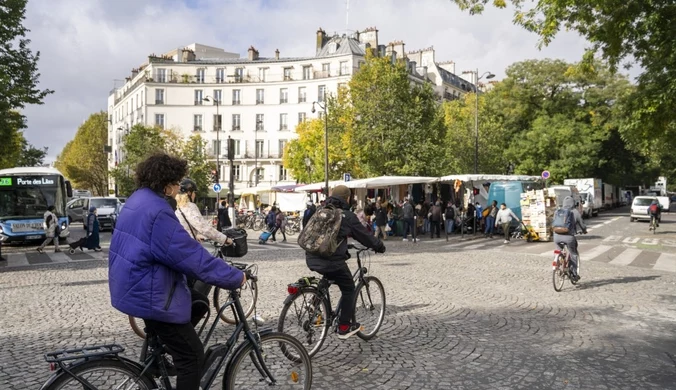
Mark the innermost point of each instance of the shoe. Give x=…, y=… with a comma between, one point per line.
x=506, y=242
x=40, y=250
x=97, y=249
x=57, y=250
x=348, y=331
x=283, y=240
x=405, y=239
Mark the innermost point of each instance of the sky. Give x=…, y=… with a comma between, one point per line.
x=86, y=45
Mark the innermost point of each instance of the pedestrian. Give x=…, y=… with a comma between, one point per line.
x=479, y=216
x=490, y=219
x=51, y=227
x=381, y=221
x=93, y=228
x=408, y=214
x=504, y=218
x=310, y=209
x=280, y=224
x=435, y=219
x=223, y=217
x=449, y=216
x=270, y=221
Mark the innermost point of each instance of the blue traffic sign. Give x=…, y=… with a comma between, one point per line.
x=545, y=175
x=217, y=187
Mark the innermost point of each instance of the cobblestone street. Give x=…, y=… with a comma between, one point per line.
x=460, y=320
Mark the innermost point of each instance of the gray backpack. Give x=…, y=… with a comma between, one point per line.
x=564, y=222
x=320, y=236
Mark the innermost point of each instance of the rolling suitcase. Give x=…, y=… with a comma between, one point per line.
x=265, y=236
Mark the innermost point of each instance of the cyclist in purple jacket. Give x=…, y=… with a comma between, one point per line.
x=150, y=256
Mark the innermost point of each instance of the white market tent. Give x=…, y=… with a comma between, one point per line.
x=318, y=186
x=468, y=178
x=387, y=181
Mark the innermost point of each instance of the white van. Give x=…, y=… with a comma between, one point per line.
x=563, y=191
x=639, y=208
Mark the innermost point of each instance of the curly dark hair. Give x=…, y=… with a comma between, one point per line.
x=160, y=170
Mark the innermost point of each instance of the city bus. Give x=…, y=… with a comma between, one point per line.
x=25, y=194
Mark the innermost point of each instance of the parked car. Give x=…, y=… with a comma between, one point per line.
x=75, y=210
x=639, y=208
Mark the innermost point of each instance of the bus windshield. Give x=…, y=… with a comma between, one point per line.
x=28, y=196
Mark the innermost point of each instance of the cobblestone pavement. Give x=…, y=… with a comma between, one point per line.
x=460, y=320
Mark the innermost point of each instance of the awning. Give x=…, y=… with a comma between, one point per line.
x=252, y=190
x=387, y=181
x=468, y=178
x=286, y=188
x=318, y=186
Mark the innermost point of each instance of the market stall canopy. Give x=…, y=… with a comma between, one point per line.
x=318, y=186
x=467, y=178
x=285, y=188
x=252, y=190
x=387, y=181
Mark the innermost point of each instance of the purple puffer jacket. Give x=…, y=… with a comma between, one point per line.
x=150, y=256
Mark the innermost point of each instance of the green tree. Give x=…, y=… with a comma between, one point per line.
x=199, y=168
x=138, y=144
x=18, y=80
x=31, y=156
x=84, y=160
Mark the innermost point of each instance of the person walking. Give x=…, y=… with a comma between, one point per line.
x=504, y=219
x=223, y=217
x=309, y=212
x=449, y=216
x=280, y=224
x=408, y=214
x=381, y=221
x=93, y=229
x=490, y=219
x=435, y=219
x=51, y=225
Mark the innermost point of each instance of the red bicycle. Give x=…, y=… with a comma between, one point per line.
x=560, y=269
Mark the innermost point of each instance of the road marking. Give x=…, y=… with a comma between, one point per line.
x=626, y=257
x=475, y=246
x=631, y=240
x=612, y=238
x=666, y=262
x=17, y=260
x=596, y=252
x=651, y=241
x=59, y=257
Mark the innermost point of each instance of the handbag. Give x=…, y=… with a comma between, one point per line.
x=239, y=245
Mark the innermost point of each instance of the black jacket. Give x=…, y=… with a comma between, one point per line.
x=349, y=227
x=309, y=212
x=381, y=216
x=223, y=217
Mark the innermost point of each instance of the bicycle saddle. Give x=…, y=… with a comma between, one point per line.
x=561, y=244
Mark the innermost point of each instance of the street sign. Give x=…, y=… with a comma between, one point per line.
x=217, y=188
x=545, y=175
x=347, y=177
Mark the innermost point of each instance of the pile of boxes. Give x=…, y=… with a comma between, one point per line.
x=537, y=211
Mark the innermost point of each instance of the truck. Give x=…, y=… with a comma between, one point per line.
x=591, y=191
x=611, y=198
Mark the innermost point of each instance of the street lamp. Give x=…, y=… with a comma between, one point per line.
x=326, y=144
x=256, y=153
x=217, y=127
x=488, y=76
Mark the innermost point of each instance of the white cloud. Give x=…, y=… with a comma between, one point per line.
x=87, y=44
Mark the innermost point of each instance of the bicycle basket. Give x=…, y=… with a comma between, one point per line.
x=240, y=248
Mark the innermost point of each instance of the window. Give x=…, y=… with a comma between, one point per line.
x=260, y=148
x=218, y=96
x=326, y=70
x=235, y=122
x=260, y=96
x=302, y=94
x=283, y=174
x=236, y=144
x=261, y=74
x=236, y=170
x=216, y=146
x=198, y=97
x=197, y=122
x=239, y=75
x=161, y=76
x=287, y=74
x=343, y=68
x=307, y=72
x=283, y=121
x=282, y=146
x=159, y=120
x=321, y=93
x=199, y=77
x=301, y=117
x=218, y=122
x=283, y=95
x=132, y=104
x=220, y=75
x=260, y=119
x=236, y=97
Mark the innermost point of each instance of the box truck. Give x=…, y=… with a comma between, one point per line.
x=591, y=191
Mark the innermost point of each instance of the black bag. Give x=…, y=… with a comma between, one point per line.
x=239, y=247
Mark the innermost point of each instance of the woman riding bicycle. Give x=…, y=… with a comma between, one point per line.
x=150, y=256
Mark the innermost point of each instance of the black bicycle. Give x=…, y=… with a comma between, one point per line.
x=263, y=360
x=308, y=314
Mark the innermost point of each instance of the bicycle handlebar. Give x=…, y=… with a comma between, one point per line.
x=357, y=248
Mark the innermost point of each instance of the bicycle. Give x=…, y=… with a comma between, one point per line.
x=248, y=293
x=653, y=224
x=560, y=270
x=309, y=297
x=102, y=367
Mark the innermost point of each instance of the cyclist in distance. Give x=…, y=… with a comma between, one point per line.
x=569, y=238
x=655, y=211
x=335, y=267
x=150, y=256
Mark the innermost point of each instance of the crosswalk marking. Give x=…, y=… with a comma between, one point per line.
x=626, y=257
x=666, y=262
x=612, y=238
x=631, y=240
x=17, y=260
x=596, y=252
x=59, y=257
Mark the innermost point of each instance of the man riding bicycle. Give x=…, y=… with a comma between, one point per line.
x=335, y=267
x=573, y=220
x=655, y=212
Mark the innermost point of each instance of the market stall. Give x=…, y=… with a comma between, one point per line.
x=537, y=212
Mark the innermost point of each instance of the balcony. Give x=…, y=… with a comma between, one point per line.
x=283, y=127
x=236, y=128
x=260, y=101
x=198, y=102
x=302, y=99
x=321, y=74
x=159, y=101
x=283, y=100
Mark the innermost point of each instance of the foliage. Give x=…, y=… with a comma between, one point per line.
x=18, y=84
x=30, y=155
x=84, y=160
x=199, y=168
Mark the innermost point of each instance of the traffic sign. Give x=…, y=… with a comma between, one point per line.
x=347, y=177
x=217, y=187
x=545, y=175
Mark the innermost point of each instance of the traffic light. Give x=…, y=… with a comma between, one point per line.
x=476, y=191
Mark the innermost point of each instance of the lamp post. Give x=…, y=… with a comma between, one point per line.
x=126, y=132
x=488, y=76
x=217, y=128
x=326, y=144
x=256, y=153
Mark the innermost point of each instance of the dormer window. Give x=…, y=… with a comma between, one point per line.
x=333, y=47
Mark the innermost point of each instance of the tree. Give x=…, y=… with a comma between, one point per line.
x=199, y=168
x=18, y=79
x=31, y=156
x=84, y=160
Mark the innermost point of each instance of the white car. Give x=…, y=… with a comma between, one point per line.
x=639, y=208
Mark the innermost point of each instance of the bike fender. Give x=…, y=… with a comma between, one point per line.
x=61, y=372
x=290, y=297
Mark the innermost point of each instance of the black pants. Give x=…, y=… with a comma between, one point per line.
x=183, y=344
x=275, y=230
x=435, y=226
x=343, y=279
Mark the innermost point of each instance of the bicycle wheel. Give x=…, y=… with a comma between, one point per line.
x=258, y=224
x=137, y=325
x=281, y=356
x=558, y=276
x=104, y=374
x=307, y=318
x=248, y=295
x=369, y=307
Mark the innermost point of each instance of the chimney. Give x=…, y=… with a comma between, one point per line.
x=448, y=66
x=134, y=73
x=276, y=54
x=321, y=39
x=253, y=53
x=179, y=55
x=424, y=74
x=382, y=51
x=370, y=36
x=398, y=46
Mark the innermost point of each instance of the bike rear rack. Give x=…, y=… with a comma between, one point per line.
x=83, y=353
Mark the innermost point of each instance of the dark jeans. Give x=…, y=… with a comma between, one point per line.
x=343, y=279
x=274, y=233
x=490, y=225
x=409, y=225
x=435, y=226
x=183, y=344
